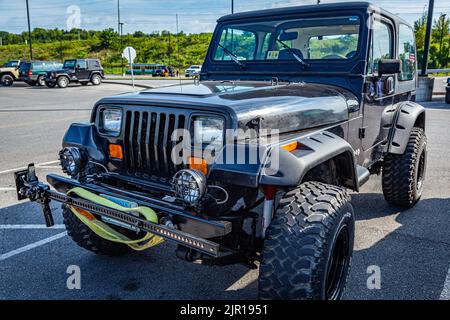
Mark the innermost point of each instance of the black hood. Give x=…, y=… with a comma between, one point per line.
x=287, y=107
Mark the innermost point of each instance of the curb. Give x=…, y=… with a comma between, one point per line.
x=128, y=83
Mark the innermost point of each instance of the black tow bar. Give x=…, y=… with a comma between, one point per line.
x=28, y=186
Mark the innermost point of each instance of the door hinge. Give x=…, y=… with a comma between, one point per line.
x=362, y=133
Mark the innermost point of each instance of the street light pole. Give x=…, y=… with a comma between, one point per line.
x=426, y=49
x=29, y=32
x=232, y=6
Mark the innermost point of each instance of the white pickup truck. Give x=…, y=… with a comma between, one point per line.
x=193, y=71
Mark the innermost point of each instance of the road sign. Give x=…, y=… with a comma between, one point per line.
x=129, y=53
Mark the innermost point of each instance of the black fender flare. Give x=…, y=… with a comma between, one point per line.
x=86, y=137
x=409, y=115
x=314, y=149
x=290, y=168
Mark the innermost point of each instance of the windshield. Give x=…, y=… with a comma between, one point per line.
x=308, y=39
x=70, y=64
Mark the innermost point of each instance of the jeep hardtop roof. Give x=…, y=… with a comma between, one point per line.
x=366, y=6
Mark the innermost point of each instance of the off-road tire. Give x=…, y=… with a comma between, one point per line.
x=40, y=81
x=6, y=80
x=50, y=84
x=63, y=82
x=403, y=175
x=312, y=223
x=447, y=96
x=87, y=239
x=96, y=79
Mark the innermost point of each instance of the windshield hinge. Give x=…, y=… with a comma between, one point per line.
x=362, y=133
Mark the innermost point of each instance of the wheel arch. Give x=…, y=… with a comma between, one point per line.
x=9, y=73
x=409, y=115
x=314, y=151
x=96, y=73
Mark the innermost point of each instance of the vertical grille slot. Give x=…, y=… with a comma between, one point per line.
x=148, y=143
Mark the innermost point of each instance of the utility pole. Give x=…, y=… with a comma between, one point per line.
x=121, y=42
x=177, y=39
x=170, y=51
x=29, y=32
x=442, y=37
x=426, y=49
x=232, y=6
x=118, y=17
x=119, y=32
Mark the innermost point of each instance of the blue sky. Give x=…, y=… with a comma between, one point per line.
x=150, y=15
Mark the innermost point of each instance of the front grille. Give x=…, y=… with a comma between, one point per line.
x=148, y=143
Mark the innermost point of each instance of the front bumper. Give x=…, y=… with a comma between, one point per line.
x=192, y=232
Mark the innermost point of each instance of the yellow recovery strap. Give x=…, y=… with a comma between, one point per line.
x=106, y=232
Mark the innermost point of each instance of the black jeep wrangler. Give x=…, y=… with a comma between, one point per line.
x=76, y=70
x=294, y=107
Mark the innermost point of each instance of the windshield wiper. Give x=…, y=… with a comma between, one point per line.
x=295, y=55
x=232, y=56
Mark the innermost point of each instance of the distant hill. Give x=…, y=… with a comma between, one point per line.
x=179, y=50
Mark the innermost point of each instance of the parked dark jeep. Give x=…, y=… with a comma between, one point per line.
x=337, y=81
x=76, y=70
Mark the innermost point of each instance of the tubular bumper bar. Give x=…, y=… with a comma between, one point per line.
x=29, y=187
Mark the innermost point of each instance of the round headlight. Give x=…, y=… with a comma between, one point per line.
x=71, y=160
x=189, y=185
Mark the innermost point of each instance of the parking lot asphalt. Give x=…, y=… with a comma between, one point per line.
x=410, y=247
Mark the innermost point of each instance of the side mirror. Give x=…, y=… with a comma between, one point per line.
x=389, y=66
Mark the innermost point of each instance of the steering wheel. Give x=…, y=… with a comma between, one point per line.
x=334, y=56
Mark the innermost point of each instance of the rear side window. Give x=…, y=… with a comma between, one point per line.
x=406, y=53
x=38, y=65
x=25, y=66
x=381, y=46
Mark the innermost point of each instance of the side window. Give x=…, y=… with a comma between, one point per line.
x=381, y=46
x=82, y=64
x=406, y=53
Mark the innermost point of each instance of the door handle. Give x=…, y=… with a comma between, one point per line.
x=390, y=85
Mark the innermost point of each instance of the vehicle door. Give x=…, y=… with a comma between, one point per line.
x=81, y=70
x=405, y=89
x=379, y=91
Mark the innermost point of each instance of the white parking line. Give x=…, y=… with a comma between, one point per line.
x=8, y=189
x=29, y=226
x=445, y=294
x=32, y=246
x=38, y=166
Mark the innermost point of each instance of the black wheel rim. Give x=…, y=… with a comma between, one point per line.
x=7, y=81
x=421, y=172
x=337, y=266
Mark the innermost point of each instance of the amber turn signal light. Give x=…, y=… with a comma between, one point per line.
x=115, y=151
x=198, y=164
x=292, y=146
